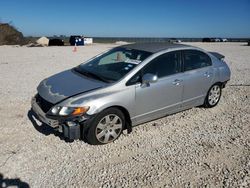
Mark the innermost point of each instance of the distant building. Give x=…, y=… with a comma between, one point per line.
x=79, y=40
x=88, y=41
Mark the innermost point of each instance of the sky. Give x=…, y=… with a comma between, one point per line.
x=129, y=18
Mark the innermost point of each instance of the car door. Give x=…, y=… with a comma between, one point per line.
x=158, y=99
x=197, y=77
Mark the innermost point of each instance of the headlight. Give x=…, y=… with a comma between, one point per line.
x=55, y=109
x=66, y=111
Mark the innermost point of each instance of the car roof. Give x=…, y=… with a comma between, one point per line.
x=154, y=47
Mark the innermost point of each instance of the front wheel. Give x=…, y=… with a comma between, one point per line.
x=106, y=127
x=213, y=96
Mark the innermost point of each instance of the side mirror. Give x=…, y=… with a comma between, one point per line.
x=149, y=78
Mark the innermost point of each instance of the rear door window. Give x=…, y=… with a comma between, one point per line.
x=194, y=59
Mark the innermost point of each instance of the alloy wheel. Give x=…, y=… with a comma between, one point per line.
x=108, y=128
x=214, y=95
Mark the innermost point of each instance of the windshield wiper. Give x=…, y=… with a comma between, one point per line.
x=92, y=75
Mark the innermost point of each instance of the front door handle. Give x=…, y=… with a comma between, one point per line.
x=176, y=82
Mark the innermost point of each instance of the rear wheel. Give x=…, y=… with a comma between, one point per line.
x=213, y=96
x=106, y=127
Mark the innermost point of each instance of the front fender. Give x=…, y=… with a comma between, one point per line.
x=125, y=99
x=99, y=101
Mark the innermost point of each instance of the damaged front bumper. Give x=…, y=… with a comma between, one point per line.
x=69, y=126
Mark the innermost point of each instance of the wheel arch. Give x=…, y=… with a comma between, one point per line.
x=86, y=125
x=222, y=84
x=205, y=103
x=128, y=124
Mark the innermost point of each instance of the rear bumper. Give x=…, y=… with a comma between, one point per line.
x=70, y=127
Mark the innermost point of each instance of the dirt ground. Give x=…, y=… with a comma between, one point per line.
x=197, y=147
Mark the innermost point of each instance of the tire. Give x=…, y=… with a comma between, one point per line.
x=213, y=96
x=106, y=127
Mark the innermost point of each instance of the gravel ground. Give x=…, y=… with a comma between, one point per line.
x=197, y=147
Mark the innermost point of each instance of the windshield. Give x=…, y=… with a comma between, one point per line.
x=113, y=65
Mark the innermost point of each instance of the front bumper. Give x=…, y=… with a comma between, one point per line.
x=70, y=127
x=42, y=115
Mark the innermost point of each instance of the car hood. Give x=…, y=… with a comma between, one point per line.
x=66, y=84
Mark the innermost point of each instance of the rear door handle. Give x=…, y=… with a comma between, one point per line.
x=176, y=82
x=207, y=74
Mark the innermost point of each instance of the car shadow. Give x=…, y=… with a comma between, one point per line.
x=6, y=182
x=44, y=128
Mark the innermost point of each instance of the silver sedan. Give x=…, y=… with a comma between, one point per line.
x=127, y=86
